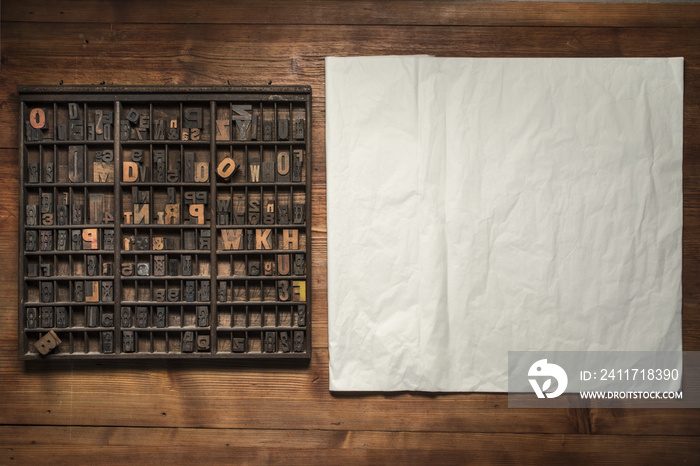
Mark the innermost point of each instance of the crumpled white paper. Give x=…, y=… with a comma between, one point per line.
x=479, y=205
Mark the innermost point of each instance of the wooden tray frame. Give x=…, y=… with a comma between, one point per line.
x=84, y=336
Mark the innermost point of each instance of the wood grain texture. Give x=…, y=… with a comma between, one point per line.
x=177, y=411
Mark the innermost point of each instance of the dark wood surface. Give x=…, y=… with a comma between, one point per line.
x=178, y=412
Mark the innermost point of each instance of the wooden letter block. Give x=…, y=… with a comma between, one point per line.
x=107, y=291
x=133, y=116
x=270, y=342
x=31, y=317
x=298, y=341
x=195, y=134
x=201, y=172
x=61, y=214
x=189, y=291
x=91, y=239
x=126, y=316
x=107, y=319
x=46, y=203
x=298, y=214
x=197, y=212
x=92, y=318
x=91, y=265
x=143, y=269
x=127, y=270
x=47, y=219
x=204, y=292
x=49, y=172
x=232, y=239
x=47, y=343
x=267, y=130
x=299, y=125
x=254, y=162
x=159, y=130
x=187, y=342
x=160, y=317
x=173, y=295
x=92, y=292
x=33, y=173
x=284, y=342
x=37, y=118
x=186, y=266
x=250, y=239
x=283, y=166
x=141, y=316
x=290, y=239
x=108, y=237
x=90, y=131
x=73, y=113
x=173, y=267
x=46, y=270
x=142, y=214
x=269, y=214
x=242, y=116
x=158, y=266
x=172, y=214
x=61, y=317
x=204, y=240
x=268, y=267
x=222, y=130
x=238, y=345
x=188, y=240
x=173, y=132
x=78, y=292
x=96, y=208
x=76, y=240
x=128, y=341
x=47, y=317
x=282, y=129
x=62, y=133
x=299, y=264
x=107, y=342
x=160, y=295
x=226, y=168
x=301, y=315
x=223, y=292
x=46, y=240
x=77, y=214
x=107, y=269
x=283, y=215
x=159, y=163
x=76, y=130
x=297, y=164
x=223, y=211
x=283, y=291
x=32, y=270
x=202, y=316
x=254, y=211
x=299, y=290
x=203, y=343
x=262, y=239
x=124, y=130
x=31, y=240
x=46, y=292
x=268, y=172
x=102, y=172
x=130, y=172
x=188, y=177
x=193, y=118
x=253, y=268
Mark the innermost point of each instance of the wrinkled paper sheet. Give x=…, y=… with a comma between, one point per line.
x=479, y=205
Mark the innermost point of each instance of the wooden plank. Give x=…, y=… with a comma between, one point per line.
x=366, y=12
x=26, y=445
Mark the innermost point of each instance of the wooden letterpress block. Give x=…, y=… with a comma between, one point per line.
x=159, y=163
x=107, y=291
x=242, y=116
x=203, y=343
x=47, y=317
x=160, y=295
x=238, y=345
x=197, y=214
x=92, y=319
x=108, y=240
x=298, y=341
x=290, y=239
x=90, y=131
x=142, y=214
x=173, y=131
x=201, y=172
x=141, y=316
x=202, y=316
x=102, y=172
x=78, y=292
x=188, y=176
x=143, y=269
x=32, y=215
x=158, y=243
x=250, y=239
x=283, y=218
x=92, y=291
x=125, y=316
x=96, y=210
x=107, y=269
x=204, y=240
x=270, y=342
x=46, y=292
x=268, y=267
x=158, y=266
x=187, y=265
x=46, y=203
x=32, y=270
x=124, y=130
x=76, y=164
x=91, y=265
x=299, y=125
x=47, y=343
x=223, y=130
x=254, y=167
x=282, y=129
x=172, y=214
x=173, y=267
x=62, y=133
x=128, y=341
x=46, y=270
x=297, y=164
x=299, y=264
x=47, y=219
x=267, y=130
x=107, y=342
x=226, y=168
x=269, y=212
x=132, y=116
x=301, y=315
x=254, y=211
x=193, y=117
x=61, y=317
x=223, y=292
x=31, y=240
x=160, y=317
x=253, y=268
x=46, y=240
x=299, y=290
x=283, y=291
x=284, y=342
x=223, y=211
x=187, y=342
x=73, y=111
x=173, y=295
x=31, y=317
x=159, y=130
x=49, y=172
x=204, y=292
x=91, y=239
x=62, y=214
x=188, y=239
x=108, y=319
x=37, y=118
x=283, y=166
x=33, y=175
x=62, y=240
x=76, y=240
x=141, y=243
x=262, y=239
x=76, y=130
x=189, y=291
x=142, y=130
x=76, y=214
x=268, y=172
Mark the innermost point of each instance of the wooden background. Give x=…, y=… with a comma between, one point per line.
x=179, y=412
